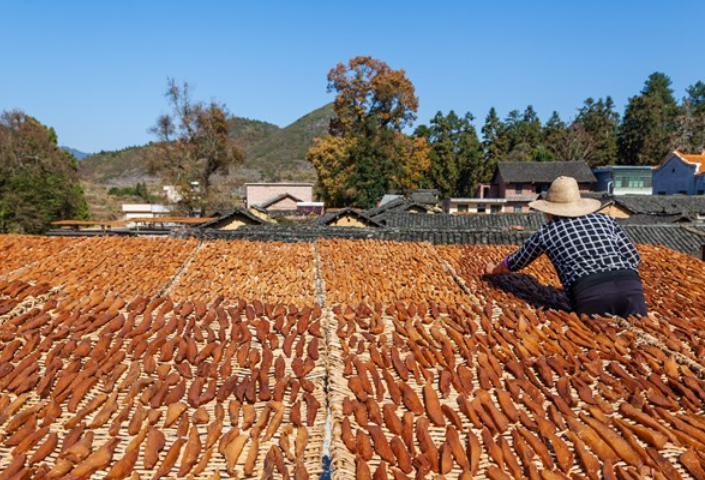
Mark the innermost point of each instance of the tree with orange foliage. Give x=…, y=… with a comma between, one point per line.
x=366, y=154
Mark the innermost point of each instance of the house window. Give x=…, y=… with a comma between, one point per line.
x=542, y=187
x=462, y=208
x=495, y=208
x=518, y=187
x=517, y=209
x=632, y=179
x=481, y=208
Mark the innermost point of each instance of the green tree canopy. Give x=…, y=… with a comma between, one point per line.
x=365, y=153
x=601, y=122
x=457, y=161
x=494, y=141
x=689, y=135
x=524, y=134
x=38, y=180
x=555, y=134
x=649, y=123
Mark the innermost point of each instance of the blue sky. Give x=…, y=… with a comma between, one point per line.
x=96, y=71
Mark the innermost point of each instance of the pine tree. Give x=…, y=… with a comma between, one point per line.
x=554, y=137
x=599, y=123
x=457, y=163
x=523, y=131
x=494, y=141
x=649, y=122
x=689, y=135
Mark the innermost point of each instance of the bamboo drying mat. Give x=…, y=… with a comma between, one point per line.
x=541, y=337
x=85, y=331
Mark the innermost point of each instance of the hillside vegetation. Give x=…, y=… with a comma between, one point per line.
x=271, y=154
x=281, y=156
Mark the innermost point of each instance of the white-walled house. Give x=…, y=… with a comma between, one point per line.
x=476, y=205
x=145, y=210
x=680, y=174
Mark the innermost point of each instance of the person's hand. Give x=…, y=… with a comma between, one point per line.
x=495, y=268
x=490, y=268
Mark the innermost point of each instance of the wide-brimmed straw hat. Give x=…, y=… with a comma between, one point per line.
x=563, y=199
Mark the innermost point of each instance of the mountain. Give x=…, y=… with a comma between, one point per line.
x=76, y=153
x=281, y=156
x=271, y=154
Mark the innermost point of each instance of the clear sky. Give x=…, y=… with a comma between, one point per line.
x=97, y=70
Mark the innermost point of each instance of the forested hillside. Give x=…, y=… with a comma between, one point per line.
x=271, y=153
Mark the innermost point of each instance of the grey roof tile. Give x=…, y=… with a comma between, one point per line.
x=662, y=204
x=544, y=172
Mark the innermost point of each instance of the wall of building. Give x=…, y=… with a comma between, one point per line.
x=478, y=208
x=234, y=224
x=520, y=192
x=699, y=184
x=346, y=221
x=258, y=193
x=614, y=211
x=286, y=203
x=636, y=181
x=260, y=214
x=674, y=177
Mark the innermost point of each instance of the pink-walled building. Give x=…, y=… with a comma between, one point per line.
x=287, y=194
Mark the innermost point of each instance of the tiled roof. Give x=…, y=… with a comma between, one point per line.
x=654, y=219
x=310, y=233
x=428, y=197
x=676, y=237
x=398, y=204
x=544, y=172
x=699, y=160
x=529, y=221
x=330, y=217
x=685, y=239
x=278, y=198
x=662, y=204
x=235, y=212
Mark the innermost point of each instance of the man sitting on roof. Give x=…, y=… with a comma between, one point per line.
x=594, y=259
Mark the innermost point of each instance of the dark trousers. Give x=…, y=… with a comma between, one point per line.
x=612, y=295
x=617, y=292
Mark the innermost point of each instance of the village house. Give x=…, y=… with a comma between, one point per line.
x=345, y=217
x=234, y=219
x=656, y=208
x=145, y=210
x=278, y=196
x=680, y=174
x=515, y=184
x=624, y=179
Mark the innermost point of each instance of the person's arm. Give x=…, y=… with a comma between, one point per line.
x=530, y=251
